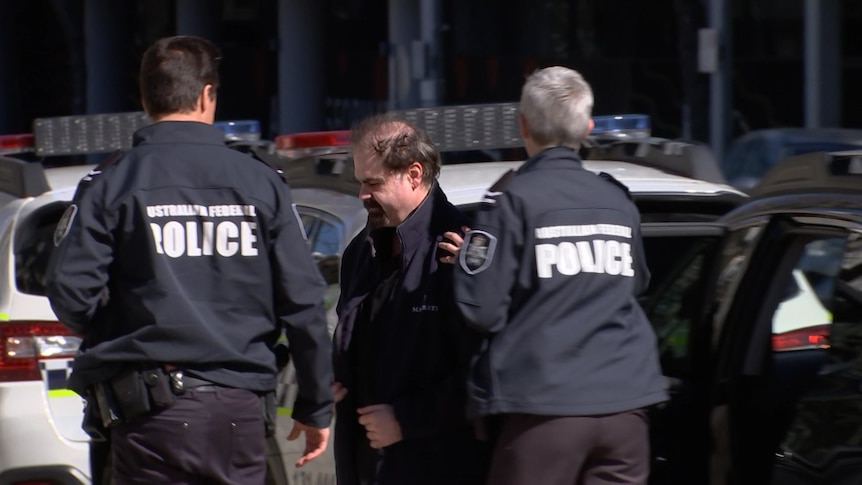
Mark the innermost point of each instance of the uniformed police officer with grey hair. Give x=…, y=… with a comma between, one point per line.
x=549, y=274
x=180, y=262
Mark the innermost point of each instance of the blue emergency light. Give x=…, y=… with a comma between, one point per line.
x=239, y=130
x=623, y=126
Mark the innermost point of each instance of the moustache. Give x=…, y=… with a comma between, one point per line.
x=369, y=205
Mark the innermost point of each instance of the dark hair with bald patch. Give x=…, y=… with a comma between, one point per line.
x=398, y=144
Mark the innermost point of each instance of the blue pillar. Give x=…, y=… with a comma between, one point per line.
x=300, y=66
x=721, y=97
x=822, y=63
x=106, y=59
x=406, y=54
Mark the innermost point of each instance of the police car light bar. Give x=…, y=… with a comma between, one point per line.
x=621, y=126
x=239, y=130
x=86, y=134
x=460, y=128
x=297, y=145
x=468, y=127
x=10, y=144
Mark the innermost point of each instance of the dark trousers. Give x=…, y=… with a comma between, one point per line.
x=207, y=437
x=579, y=450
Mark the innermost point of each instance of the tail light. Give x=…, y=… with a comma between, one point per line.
x=816, y=337
x=24, y=344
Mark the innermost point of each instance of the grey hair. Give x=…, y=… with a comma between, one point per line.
x=557, y=105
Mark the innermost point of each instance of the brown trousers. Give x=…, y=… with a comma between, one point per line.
x=576, y=450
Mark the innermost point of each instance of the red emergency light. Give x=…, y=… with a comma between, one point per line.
x=313, y=139
x=16, y=143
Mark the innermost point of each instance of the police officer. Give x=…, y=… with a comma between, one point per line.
x=400, y=346
x=180, y=262
x=549, y=273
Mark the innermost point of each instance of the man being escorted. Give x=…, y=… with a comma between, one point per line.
x=180, y=262
x=549, y=273
x=400, y=345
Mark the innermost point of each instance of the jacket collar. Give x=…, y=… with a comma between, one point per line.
x=553, y=157
x=417, y=229
x=179, y=132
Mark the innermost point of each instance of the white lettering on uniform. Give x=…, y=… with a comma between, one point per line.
x=584, y=230
x=602, y=256
x=205, y=238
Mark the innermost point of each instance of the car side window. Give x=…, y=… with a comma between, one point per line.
x=34, y=243
x=828, y=418
x=674, y=303
x=734, y=259
x=804, y=317
x=327, y=240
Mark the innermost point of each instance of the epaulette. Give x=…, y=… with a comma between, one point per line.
x=496, y=190
x=111, y=159
x=260, y=154
x=610, y=178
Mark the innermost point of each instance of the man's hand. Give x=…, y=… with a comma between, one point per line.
x=381, y=427
x=338, y=391
x=451, y=244
x=315, y=441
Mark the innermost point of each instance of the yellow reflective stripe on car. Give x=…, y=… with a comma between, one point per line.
x=61, y=393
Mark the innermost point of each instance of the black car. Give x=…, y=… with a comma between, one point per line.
x=760, y=332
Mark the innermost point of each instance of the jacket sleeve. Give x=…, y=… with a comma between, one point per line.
x=77, y=275
x=299, y=291
x=487, y=266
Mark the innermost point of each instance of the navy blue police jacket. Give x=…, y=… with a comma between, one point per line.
x=421, y=359
x=549, y=274
x=184, y=251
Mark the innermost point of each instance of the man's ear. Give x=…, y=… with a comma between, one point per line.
x=415, y=172
x=522, y=127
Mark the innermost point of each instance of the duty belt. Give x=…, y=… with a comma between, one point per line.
x=182, y=382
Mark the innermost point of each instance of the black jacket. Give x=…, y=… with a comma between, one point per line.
x=550, y=275
x=184, y=251
x=421, y=357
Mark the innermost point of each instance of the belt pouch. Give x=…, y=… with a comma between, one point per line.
x=159, y=384
x=131, y=394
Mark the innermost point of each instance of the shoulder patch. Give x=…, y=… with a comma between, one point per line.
x=65, y=223
x=478, y=251
x=497, y=189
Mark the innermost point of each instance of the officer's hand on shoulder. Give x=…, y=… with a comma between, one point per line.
x=450, y=245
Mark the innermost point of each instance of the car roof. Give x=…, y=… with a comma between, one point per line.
x=467, y=183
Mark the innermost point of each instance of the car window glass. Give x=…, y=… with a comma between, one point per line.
x=828, y=418
x=679, y=268
x=734, y=259
x=803, y=317
x=34, y=242
x=327, y=239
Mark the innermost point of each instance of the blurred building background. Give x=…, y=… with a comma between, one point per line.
x=302, y=65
